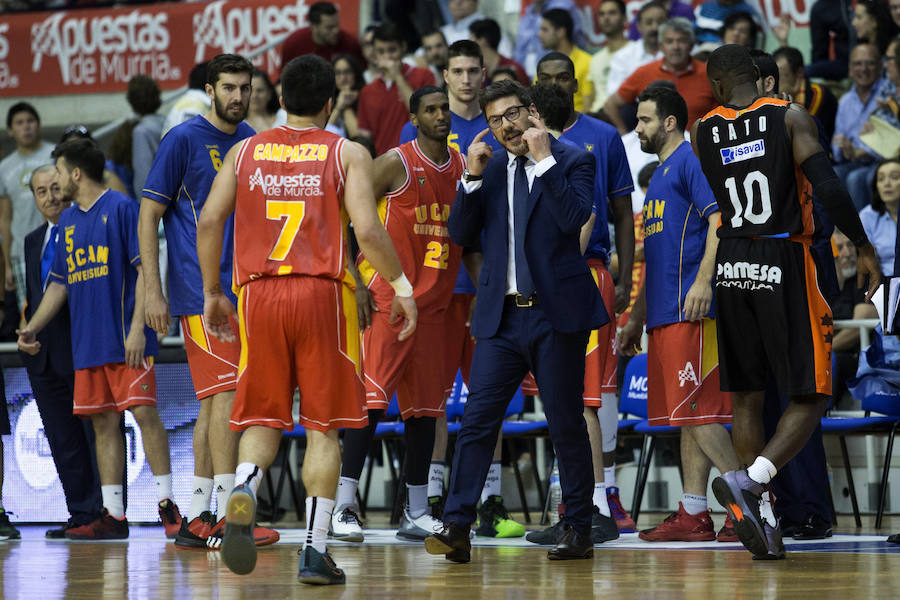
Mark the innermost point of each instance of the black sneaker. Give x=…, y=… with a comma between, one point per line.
x=603, y=528
x=894, y=539
x=194, y=534
x=494, y=520
x=436, y=506
x=7, y=531
x=549, y=536
x=318, y=568
x=741, y=496
x=60, y=533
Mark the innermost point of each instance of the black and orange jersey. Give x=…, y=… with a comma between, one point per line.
x=747, y=158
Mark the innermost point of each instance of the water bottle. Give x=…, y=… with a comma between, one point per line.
x=555, y=494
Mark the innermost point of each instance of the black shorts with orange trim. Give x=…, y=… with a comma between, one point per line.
x=773, y=322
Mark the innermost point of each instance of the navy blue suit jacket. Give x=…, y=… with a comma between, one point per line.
x=56, y=337
x=558, y=205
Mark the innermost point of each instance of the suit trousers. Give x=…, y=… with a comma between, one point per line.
x=524, y=341
x=71, y=442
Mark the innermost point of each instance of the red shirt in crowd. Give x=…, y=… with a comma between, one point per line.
x=521, y=75
x=381, y=110
x=691, y=83
x=301, y=42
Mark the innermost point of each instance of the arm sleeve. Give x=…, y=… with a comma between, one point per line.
x=834, y=197
x=167, y=170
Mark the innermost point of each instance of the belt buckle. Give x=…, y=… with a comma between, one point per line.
x=523, y=302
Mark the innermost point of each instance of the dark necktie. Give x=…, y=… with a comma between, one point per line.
x=520, y=221
x=47, y=256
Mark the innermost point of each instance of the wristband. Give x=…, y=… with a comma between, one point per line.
x=402, y=286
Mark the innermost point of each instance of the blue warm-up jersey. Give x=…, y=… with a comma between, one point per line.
x=462, y=132
x=188, y=158
x=676, y=212
x=96, y=258
x=613, y=177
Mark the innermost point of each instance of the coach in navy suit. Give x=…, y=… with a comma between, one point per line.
x=537, y=303
x=50, y=370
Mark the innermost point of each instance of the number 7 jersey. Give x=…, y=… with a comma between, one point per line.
x=289, y=216
x=748, y=161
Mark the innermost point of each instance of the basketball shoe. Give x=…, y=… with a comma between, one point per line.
x=774, y=543
x=603, y=528
x=170, y=517
x=103, y=527
x=262, y=536
x=547, y=537
x=238, y=545
x=727, y=534
x=346, y=525
x=624, y=523
x=741, y=497
x=418, y=528
x=681, y=526
x=318, y=568
x=195, y=533
x=494, y=520
x=7, y=531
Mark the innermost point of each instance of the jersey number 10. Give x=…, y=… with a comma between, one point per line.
x=753, y=179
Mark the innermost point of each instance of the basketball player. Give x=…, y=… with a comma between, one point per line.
x=188, y=158
x=464, y=77
x=291, y=190
x=763, y=161
x=416, y=186
x=612, y=196
x=680, y=221
x=97, y=267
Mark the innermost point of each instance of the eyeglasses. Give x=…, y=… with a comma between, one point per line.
x=511, y=114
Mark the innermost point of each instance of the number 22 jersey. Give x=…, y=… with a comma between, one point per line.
x=289, y=217
x=747, y=158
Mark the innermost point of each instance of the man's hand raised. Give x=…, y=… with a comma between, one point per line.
x=479, y=154
x=538, y=139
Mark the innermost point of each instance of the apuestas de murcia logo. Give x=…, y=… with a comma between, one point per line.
x=241, y=29
x=104, y=48
x=285, y=185
x=7, y=78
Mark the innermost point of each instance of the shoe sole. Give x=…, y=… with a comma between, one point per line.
x=238, y=546
x=745, y=527
x=412, y=537
x=348, y=537
x=313, y=578
x=190, y=544
x=685, y=538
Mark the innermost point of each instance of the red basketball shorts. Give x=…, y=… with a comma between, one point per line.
x=683, y=375
x=298, y=332
x=213, y=364
x=457, y=340
x=114, y=387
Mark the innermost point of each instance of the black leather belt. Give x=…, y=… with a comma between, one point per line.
x=520, y=301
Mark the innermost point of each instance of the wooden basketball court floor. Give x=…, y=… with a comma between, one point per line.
x=852, y=564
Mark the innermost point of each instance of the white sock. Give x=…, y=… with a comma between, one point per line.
x=600, y=499
x=418, y=500
x=693, y=505
x=163, y=487
x=609, y=476
x=765, y=509
x=250, y=474
x=318, y=517
x=492, y=483
x=346, y=492
x=200, y=497
x=436, y=478
x=223, y=484
x=762, y=470
x=113, y=501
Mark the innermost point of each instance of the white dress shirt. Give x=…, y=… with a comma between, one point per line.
x=532, y=169
x=624, y=62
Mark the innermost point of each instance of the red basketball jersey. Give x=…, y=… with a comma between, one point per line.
x=415, y=217
x=289, y=216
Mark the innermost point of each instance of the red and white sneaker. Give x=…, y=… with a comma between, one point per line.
x=682, y=527
x=624, y=523
x=104, y=527
x=170, y=517
x=727, y=534
x=263, y=536
x=193, y=534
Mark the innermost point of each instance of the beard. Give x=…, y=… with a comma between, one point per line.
x=223, y=114
x=69, y=193
x=654, y=144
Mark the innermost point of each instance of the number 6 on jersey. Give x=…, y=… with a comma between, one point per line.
x=294, y=211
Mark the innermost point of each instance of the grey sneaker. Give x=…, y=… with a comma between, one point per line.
x=775, y=547
x=740, y=496
x=603, y=528
x=419, y=528
x=346, y=525
x=318, y=568
x=549, y=536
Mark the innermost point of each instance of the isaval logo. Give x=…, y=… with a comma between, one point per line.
x=744, y=151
